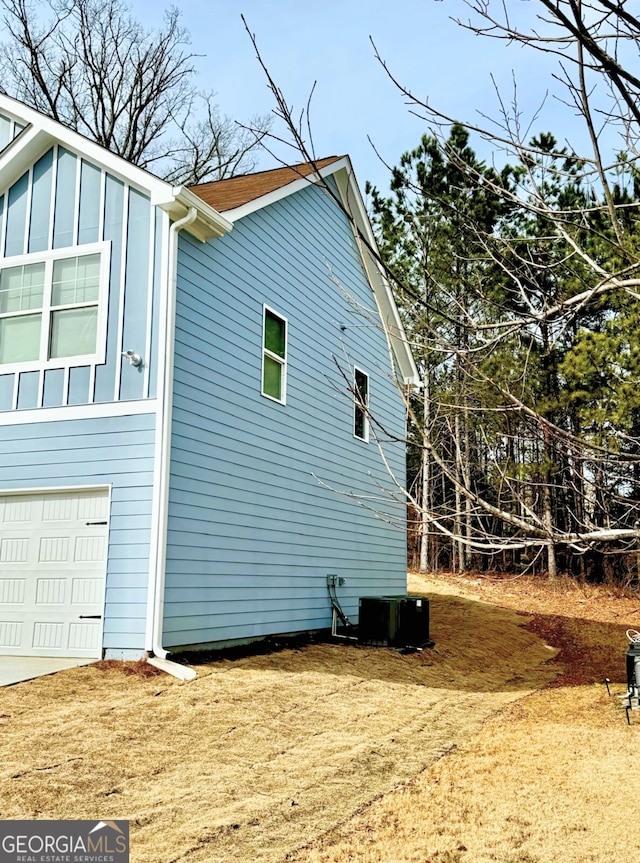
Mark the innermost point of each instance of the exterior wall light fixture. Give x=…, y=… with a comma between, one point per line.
x=134, y=358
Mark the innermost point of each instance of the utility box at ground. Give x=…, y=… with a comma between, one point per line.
x=394, y=621
x=633, y=668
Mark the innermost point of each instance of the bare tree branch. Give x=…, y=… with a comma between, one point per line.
x=94, y=68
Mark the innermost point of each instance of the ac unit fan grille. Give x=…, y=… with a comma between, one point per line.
x=394, y=621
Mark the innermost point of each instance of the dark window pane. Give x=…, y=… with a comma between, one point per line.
x=362, y=387
x=361, y=397
x=272, y=378
x=274, y=334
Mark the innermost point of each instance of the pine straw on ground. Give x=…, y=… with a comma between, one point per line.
x=259, y=755
x=549, y=777
x=587, y=623
x=339, y=753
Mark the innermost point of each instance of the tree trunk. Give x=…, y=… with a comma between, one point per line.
x=460, y=555
x=466, y=475
x=552, y=567
x=426, y=479
x=547, y=505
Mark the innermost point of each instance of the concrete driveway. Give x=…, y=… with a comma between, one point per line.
x=14, y=669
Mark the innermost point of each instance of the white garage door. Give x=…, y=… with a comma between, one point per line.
x=53, y=554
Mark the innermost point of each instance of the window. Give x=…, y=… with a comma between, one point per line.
x=360, y=404
x=50, y=309
x=274, y=356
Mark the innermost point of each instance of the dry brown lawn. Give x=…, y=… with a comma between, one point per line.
x=492, y=747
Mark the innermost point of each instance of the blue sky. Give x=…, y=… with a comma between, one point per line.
x=329, y=43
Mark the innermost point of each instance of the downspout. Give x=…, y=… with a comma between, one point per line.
x=159, y=654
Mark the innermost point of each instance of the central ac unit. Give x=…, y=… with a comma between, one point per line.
x=394, y=621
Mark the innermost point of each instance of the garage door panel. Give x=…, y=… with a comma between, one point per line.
x=47, y=635
x=51, y=591
x=10, y=634
x=84, y=638
x=89, y=549
x=53, y=549
x=52, y=573
x=16, y=510
x=12, y=591
x=59, y=507
x=87, y=592
x=93, y=507
x=14, y=549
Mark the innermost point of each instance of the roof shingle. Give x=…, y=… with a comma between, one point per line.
x=228, y=194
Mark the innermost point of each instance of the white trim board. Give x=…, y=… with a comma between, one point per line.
x=53, y=489
x=101, y=410
x=284, y=191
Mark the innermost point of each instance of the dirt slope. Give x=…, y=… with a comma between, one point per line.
x=550, y=777
x=261, y=756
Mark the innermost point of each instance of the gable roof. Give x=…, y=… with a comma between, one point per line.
x=237, y=197
x=238, y=191
x=234, y=198
x=40, y=133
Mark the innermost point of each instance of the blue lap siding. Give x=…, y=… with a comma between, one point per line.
x=112, y=451
x=267, y=499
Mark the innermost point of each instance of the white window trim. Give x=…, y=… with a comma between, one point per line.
x=48, y=257
x=283, y=362
x=16, y=126
x=356, y=408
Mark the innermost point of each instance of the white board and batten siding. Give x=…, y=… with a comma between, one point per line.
x=65, y=202
x=53, y=558
x=267, y=499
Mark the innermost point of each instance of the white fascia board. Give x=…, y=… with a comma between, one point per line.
x=52, y=131
x=398, y=342
x=391, y=320
x=42, y=132
x=342, y=171
x=18, y=156
x=209, y=223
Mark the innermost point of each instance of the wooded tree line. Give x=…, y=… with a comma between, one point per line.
x=520, y=292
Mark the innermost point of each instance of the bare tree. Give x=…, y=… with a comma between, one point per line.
x=555, y=440
x=569, y=261
x=90, y=65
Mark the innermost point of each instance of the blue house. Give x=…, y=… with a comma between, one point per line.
x=200, y=414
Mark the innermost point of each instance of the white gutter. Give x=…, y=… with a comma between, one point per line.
x=159, y=657
x=208, y=224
